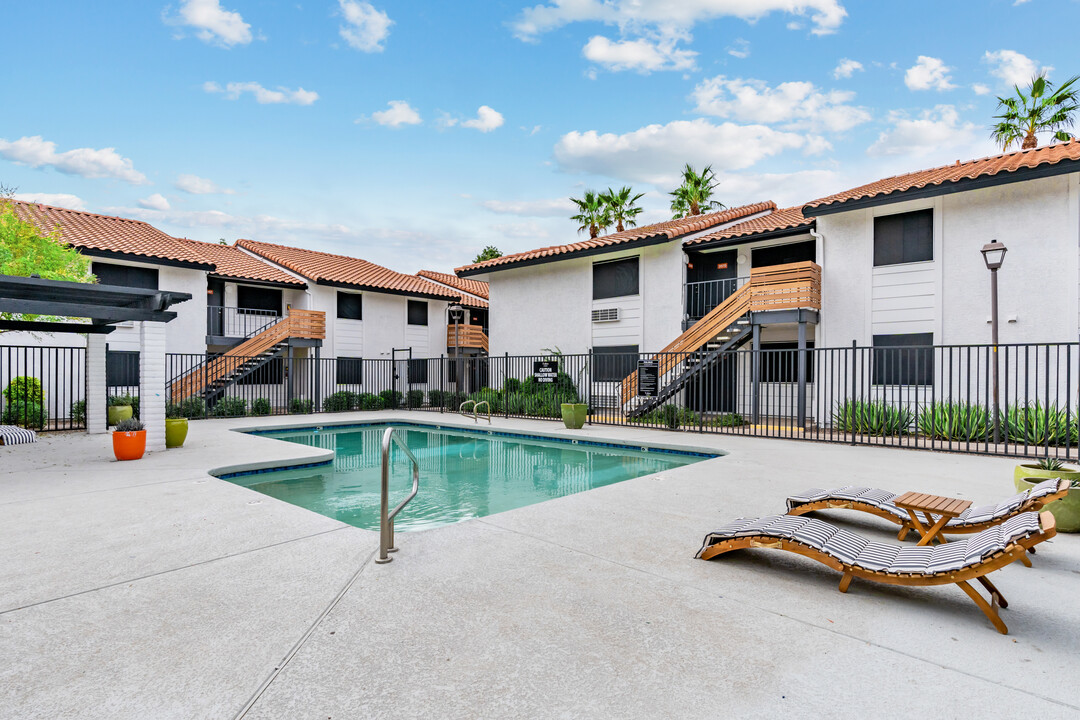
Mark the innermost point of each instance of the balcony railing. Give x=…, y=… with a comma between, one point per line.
x=703, y=297
x=238, y=322
x=466, y=336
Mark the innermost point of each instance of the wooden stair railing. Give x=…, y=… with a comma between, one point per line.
x=306, y=324
x=777, y=287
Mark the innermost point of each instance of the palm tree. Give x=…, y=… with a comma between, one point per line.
x=621, y=207
x=594, y=214
x=1041, y=110
x=694, y=195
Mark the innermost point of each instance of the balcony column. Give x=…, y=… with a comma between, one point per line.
x=755, y=374
x=802, y=371
x=152, y=383
x=95, y=384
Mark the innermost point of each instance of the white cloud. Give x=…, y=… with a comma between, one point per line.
x=399, y=113
x=934, y=130
x=642, y=55
x=981, y=89
x=793, y=104
x=846, y=67
x=555, y=207
x=257, y=226
x=639, y=15
x=740, y=49
x=212, y=23
x=656, y=152
x=531, y=229
x=263, y=96
x=928, y=73
x=37, y=152
x=486, y=120
x=1014, y=68
x=196, y=185
x=156, y=201
x=64, y=200
x=365, y=28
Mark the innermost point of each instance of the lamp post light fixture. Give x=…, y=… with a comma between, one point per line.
x=994, y=255
x=457, y=314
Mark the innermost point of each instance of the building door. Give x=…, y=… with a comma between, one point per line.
x=710, y=279
x=215, y=303
x=784, y=254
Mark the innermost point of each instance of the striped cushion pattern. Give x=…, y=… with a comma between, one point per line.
x=987, y=513
x=851, y=549
x=13, y=435
x=872, y=496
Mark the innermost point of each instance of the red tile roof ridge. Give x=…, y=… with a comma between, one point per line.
x=59, y=208
x=780, y=219
x=474, y=287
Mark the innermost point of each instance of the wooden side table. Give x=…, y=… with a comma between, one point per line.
x=945, y=508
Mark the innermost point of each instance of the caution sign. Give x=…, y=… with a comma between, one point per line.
x=545, y=371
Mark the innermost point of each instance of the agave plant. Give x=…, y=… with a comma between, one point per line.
x=872, y=418
x=1038, y=424
x=954, y=421
x=1051, y=464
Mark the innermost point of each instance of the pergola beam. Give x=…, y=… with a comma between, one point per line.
x=104, y=313
x=60, y=327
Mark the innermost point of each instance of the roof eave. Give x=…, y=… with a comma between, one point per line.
x=588, y=252
x=252, y=281
x=147, y=259
x=753, y=237
x=385, y=291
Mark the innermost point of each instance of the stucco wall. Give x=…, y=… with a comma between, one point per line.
x=185, y=334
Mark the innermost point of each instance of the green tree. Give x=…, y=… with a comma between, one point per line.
x=489, y=253
x=1040, y=110
x=694, y=196
x=622, y=207
x=593, y=215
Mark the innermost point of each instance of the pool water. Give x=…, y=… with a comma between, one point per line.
x=463, y=474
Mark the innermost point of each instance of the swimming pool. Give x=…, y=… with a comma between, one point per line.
x=463, y=473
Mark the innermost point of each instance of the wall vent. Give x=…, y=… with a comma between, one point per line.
x=605, y=315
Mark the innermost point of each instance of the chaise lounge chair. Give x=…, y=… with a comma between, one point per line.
x=952, y=563
x=14, y=435
x=880, y=503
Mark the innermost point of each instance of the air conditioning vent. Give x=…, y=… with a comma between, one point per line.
x=605, y=315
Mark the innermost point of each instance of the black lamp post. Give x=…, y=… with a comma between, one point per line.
x=457, y=314
x=994, y=255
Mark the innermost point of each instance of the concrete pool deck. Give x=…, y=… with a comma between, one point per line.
x=152, y=590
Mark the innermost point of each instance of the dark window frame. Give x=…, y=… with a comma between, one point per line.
x=417, y=371
x=904, y=238
x=249, y=307
x=621, y=361
x=903, y=363
x=416, y=305
x=607, y=287
x=122, y=368
x=783, y=367
x=126, y=275
x=349, y=371
x=358, y=298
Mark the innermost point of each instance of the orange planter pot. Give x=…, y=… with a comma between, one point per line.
x=129, y=445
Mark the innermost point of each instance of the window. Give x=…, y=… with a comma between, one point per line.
x=904, y=238
x=350, y=371
x=903, y=359
x=418, y=371
x=271, y=373
x=257, y=298
x=126, y=275
x=783, y=367
x=784, y=254
x=617, y=278
x=418, y=312
x=614, y=363
x=350, y=306
x=121, y=368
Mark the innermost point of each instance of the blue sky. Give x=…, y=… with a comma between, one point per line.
x=413, y=134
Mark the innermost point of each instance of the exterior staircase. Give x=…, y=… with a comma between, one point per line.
x=210, y=378
x=725, y=328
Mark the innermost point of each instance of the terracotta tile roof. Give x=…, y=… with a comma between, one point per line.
x=232, y=262
x=1067, y=152
x=474, y=287
x=469, y=301
x=669, y=229
x=791, y=218
x=107, y=233
x=327, y=268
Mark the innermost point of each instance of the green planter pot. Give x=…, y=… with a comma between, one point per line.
x=116, y=413
x=1067, y=510
x=175, y=432
x=574, y=414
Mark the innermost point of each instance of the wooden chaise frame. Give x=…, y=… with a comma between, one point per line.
x=998, y=560
x=1030, y=505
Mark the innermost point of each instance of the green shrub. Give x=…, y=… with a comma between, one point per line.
x=132, y=400
x=78, y=412
x=511, y=385
x=30, y=415
x=437, y=398
x=261, y=406
x=129, y=425
x=954, y=421
x=367, y=401
x=192, y=407
x=670, y=416
x=1037, y=424
x=415, y=398
x=340, y=402
x=172, y=411
x=490, y=396
x=732, y=419
x=872, y=418
x=391, y=398
x=230, y=407
x=301, y=406
x=24, y=389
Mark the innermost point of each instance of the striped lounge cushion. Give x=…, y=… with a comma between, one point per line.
x=12, y=435
x=987, y=513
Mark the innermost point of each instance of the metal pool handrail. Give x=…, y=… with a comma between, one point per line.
x=475, y=409
x=386, y=519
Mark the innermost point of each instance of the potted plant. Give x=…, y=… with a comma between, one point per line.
x=574, y=414
x=129, y=439
x=119, y=409
x=176, y=427
x=1067, y=510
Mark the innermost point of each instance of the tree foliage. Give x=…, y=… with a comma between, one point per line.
x=694, y=196
x=489, y=253
x=593, y=213
x=622, y=207
x=1040, y=109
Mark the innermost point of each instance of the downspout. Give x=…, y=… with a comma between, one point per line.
x=820, y=240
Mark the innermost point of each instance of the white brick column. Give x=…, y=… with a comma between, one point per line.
x=152, y=383
x=95, y=384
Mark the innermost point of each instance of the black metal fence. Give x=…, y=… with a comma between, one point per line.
x=932, y=397
x=43, y=388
